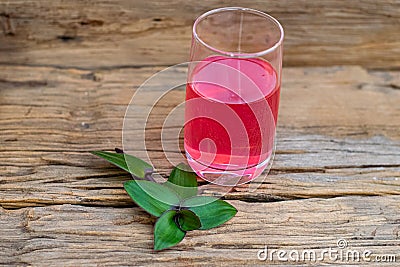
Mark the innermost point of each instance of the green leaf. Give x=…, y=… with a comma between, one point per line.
x=152, y=197
x=183, y=181
x=188, y=221
x=211, y=211
x=166, y=231
x=126, y=162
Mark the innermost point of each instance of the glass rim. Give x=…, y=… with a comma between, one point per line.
x=236, y=54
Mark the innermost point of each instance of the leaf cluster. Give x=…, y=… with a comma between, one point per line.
x=175, y=203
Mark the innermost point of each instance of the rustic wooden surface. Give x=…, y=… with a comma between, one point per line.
x=67, y=75
x=114, y=33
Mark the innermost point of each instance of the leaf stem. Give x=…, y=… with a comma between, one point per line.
x=119, y=150
x=148, y=175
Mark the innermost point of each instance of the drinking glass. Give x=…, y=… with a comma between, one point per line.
x=232, y=94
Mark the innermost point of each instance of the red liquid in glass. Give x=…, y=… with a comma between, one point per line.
x=231, y=113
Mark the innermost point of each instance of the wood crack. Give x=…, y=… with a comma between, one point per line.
x=97, y=68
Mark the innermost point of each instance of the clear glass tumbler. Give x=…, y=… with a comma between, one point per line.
x=232, y=94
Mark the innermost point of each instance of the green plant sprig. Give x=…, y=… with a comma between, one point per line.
x=175, y=203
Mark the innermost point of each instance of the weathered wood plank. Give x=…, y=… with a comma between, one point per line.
x=338, y=135
x=67, y=73
x=94, y=34
x=76, y=235
x=39, y=178
x=337, y=101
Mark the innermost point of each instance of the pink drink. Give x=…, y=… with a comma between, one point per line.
x=231, y=113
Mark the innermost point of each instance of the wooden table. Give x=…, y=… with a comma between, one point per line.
x=67, y=69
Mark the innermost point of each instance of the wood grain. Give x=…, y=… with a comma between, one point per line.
x=68, y=70
x=104, y=33
x=76, y=235
x=338, y=135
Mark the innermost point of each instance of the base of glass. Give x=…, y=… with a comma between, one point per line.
x=227, y=177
